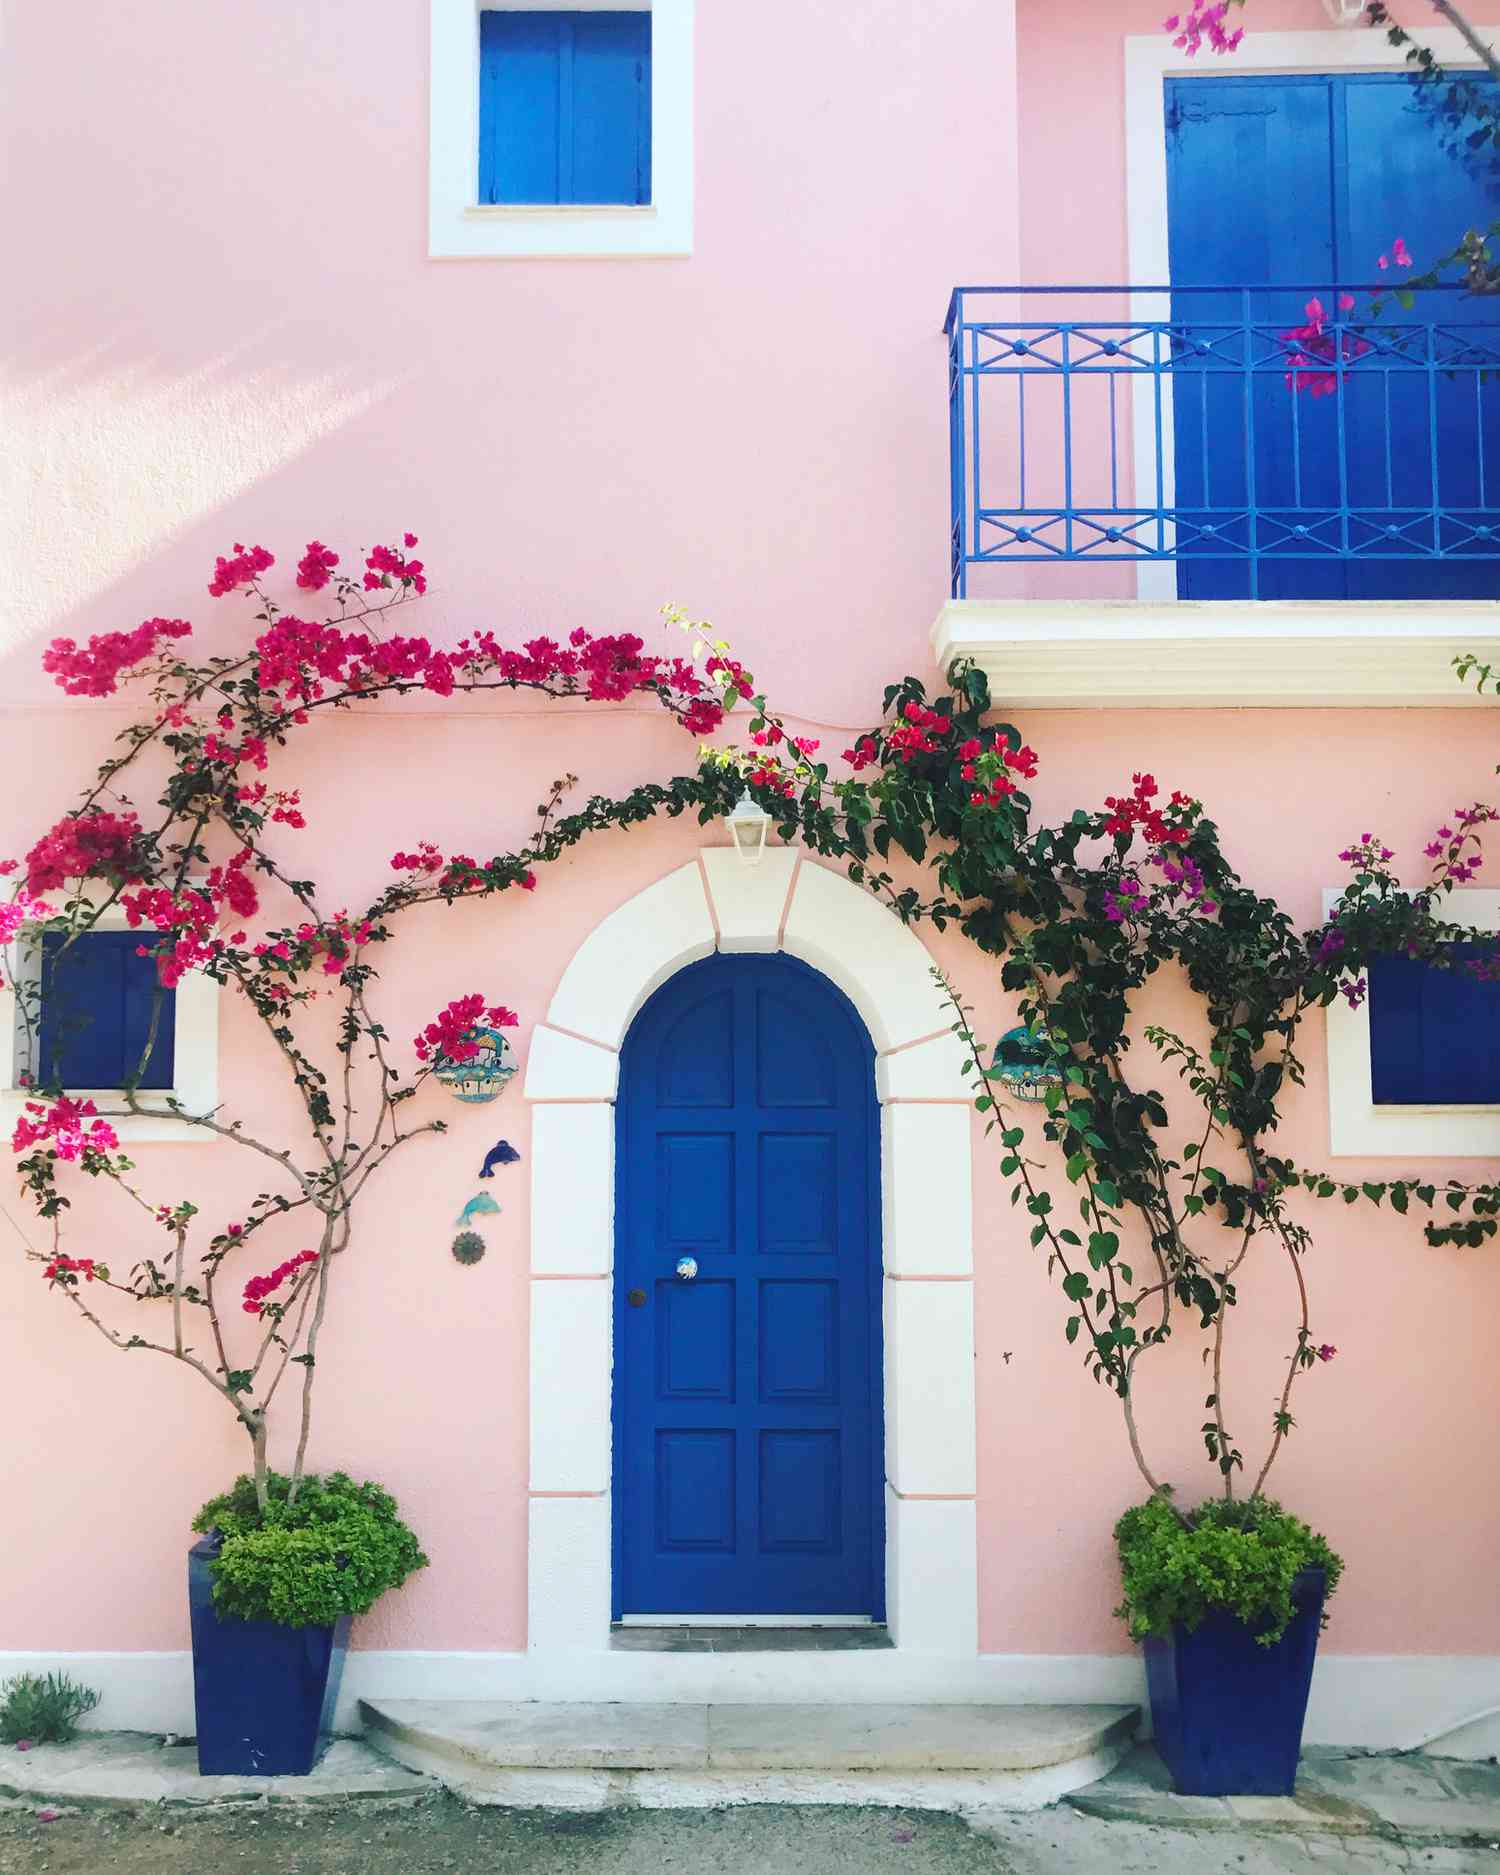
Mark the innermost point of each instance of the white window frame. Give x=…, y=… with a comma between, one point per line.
x=1357, y=1127
x=460, y=227
x=1150, y=59
x=195, y=1053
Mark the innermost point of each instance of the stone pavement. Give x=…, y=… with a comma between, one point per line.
x=1418, y=1799
x=442, y=1836
x=137, y=1768
x=116, y=1804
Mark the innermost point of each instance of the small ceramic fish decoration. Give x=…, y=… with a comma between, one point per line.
x=481, y=1206
x=501, y=1153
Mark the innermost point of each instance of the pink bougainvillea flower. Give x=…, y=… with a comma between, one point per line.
x=259, y=1287
x=246, y=564
x=95, y=670
x=451, y=1034
x=1327, y=1351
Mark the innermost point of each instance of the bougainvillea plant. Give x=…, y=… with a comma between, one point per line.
x=1176, y=1201
x=1077, y=918
x=204, y=879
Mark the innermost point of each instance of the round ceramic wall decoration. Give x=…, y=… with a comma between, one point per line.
x=484, y=1077
x=1027, y=1064
x=468, y=1246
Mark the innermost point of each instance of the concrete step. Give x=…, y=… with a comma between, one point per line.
x=580, y=1756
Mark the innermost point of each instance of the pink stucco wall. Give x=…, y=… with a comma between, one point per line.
x=236, y=335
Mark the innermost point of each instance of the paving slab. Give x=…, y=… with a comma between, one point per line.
x=1063, y=1842
x=1404, y=1775
x=132, y=1768
x=1416, y=1799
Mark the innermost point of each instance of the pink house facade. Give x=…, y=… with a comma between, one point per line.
x=264, y=304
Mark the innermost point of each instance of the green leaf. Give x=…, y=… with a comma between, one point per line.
x=1076, y=1286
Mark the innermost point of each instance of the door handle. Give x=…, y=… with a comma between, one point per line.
x=687, y=1268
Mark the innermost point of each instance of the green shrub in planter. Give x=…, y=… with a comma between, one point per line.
x=1240, y=1556
x=334, y=1551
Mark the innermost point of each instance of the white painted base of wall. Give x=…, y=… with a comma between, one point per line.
x=1378, y=1702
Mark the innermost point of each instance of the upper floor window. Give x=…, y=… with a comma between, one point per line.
x=561, y=130
x=565, y=107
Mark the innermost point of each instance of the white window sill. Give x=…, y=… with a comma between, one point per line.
x=1132, y=654
x=558, y=211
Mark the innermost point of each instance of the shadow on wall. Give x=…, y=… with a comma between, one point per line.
x=111, y=456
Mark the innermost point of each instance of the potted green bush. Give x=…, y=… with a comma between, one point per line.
x=272, y=1588
x=1227, y=1602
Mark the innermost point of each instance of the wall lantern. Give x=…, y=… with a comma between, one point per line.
x=1345, y=12
x=748, y=826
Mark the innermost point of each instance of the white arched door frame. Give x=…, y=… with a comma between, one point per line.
x=785, y=903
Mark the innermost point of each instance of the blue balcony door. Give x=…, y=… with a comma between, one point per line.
x=747, y=1436
x=1287, y=186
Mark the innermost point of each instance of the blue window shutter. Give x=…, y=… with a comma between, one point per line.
x=519, y=106
x=1434, y=1034
x=97, y=998
x=611, y=115
x=565, y=107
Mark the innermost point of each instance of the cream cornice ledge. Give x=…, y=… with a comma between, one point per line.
x=1221, y=654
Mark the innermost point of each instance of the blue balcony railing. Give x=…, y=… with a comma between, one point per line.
x=1252, y=442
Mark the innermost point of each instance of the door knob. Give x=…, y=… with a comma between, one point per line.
x=687, y=1268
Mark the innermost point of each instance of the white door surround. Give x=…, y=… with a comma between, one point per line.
x=792, y=904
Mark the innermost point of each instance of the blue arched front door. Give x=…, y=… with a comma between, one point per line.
x=748, y=1447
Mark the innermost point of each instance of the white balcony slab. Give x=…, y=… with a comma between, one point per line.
x=1043, y=654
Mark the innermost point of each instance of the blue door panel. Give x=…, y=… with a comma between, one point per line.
x=748, y=1439
x=1284, y=187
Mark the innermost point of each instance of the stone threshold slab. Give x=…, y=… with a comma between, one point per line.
x=480, y=1735
x=692, y=1640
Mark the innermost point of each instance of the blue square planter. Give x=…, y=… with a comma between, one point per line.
x=1227, y=1713
x=264, y=1694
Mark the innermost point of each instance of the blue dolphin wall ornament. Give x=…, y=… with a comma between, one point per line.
x=501, y=1153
